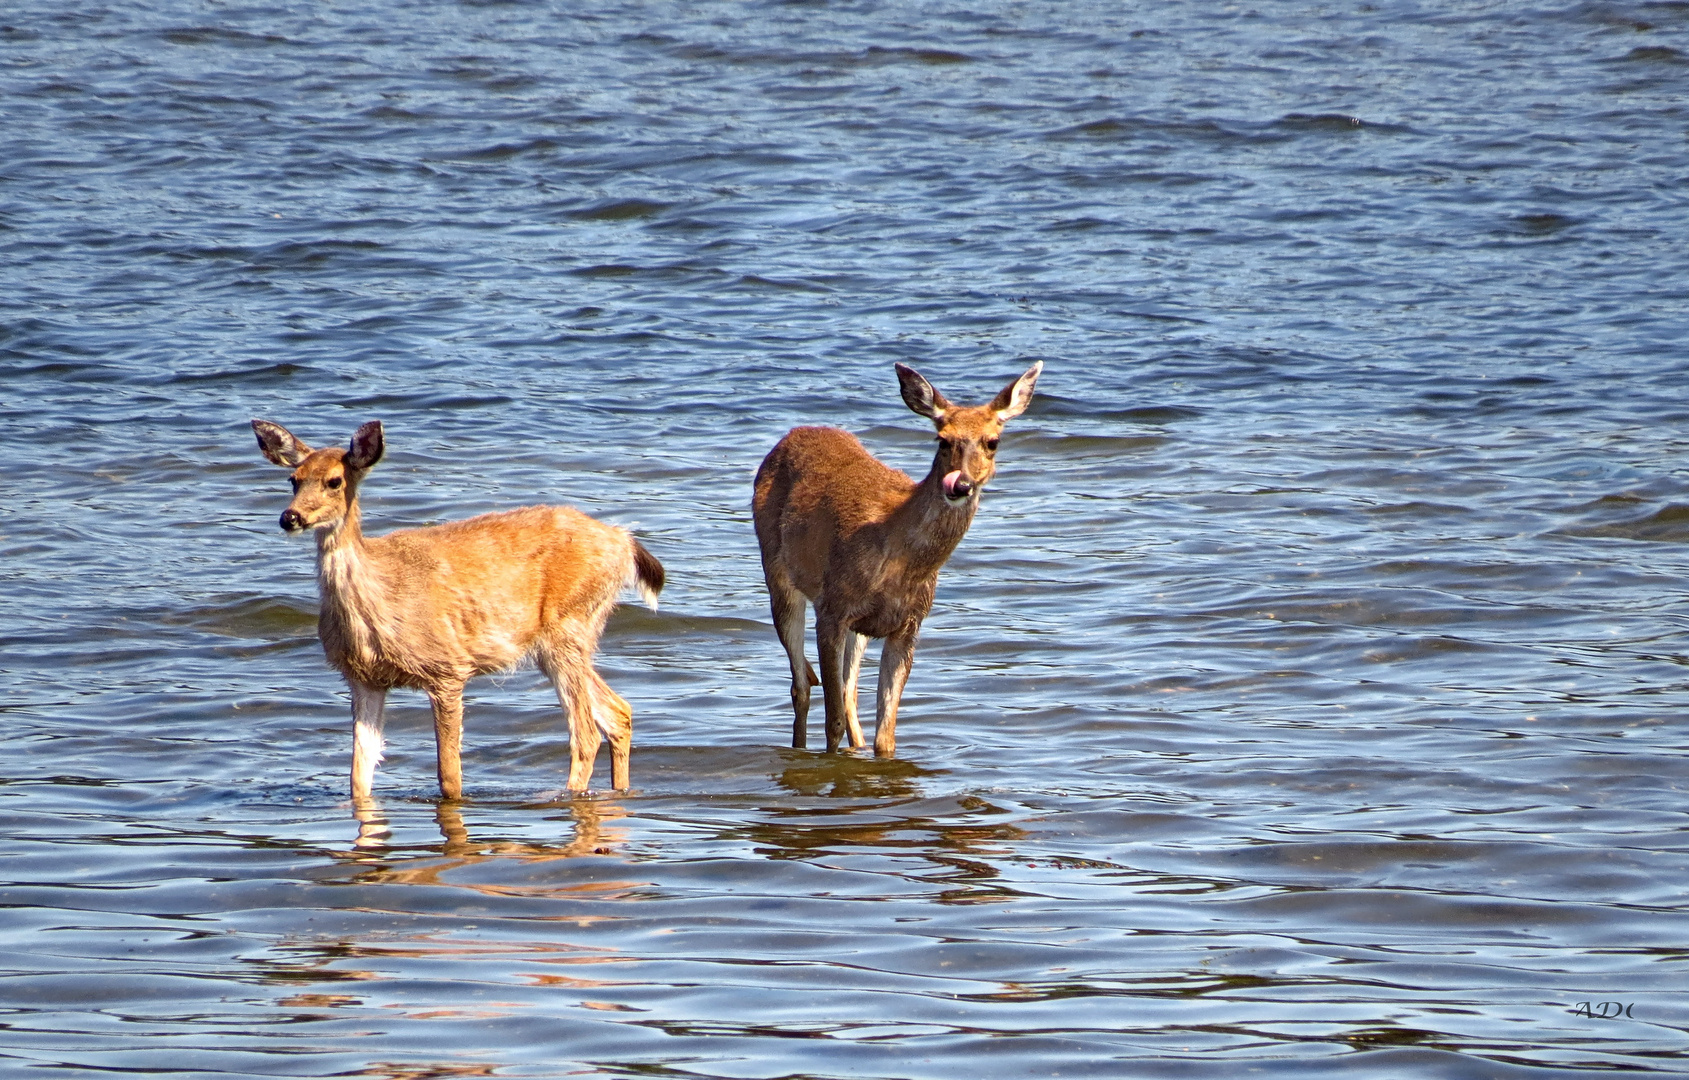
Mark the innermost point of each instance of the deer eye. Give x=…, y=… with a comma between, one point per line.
x=991, y=445
x=945, y=444
x=294, y=480
x=332, y=483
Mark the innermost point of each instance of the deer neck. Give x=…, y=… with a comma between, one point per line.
x=342, y=542
x=928, y=526
x=349, y=584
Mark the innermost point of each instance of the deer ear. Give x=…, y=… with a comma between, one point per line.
x=367, y=447
x=279, y=445
x=920, y=395
x=1017, y=395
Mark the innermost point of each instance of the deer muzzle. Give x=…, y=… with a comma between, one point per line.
x=957, y=486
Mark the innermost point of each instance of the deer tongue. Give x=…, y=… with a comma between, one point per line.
x=951, y=479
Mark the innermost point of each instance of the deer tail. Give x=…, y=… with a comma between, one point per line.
x=647, y=575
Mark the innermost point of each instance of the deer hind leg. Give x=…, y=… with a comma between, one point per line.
x=584, y=739
x=368, y=718
x=832, y=640
x=615, y=718
x=855, y=645
x=448, y=738
x=570, y=672
x=896, y=657
x=788, y=604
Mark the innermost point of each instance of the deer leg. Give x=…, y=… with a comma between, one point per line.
x=448, y=738
x=896, y=657
x=831, y=640
x=615, y=717
x=570, y=672
x=584, y=739
x=788, y=605
x=855, y=645
x=368, y=718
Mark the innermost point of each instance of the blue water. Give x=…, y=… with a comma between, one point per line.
x=1306, y=699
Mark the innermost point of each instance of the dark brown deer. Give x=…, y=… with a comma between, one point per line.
x=864, y=543
x=429, y=608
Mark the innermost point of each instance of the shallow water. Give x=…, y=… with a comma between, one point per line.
x=1305, y=700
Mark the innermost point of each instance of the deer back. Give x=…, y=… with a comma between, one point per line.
x=820, y=495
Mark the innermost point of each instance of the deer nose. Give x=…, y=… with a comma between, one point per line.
x=291, y=521
x=957, y=486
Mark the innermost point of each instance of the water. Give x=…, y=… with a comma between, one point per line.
x=1306, y=699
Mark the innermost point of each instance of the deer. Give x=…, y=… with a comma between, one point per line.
x=429, y=608
x=864, y=543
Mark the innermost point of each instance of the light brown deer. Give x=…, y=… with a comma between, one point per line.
x=865, y=543
x=429, y=608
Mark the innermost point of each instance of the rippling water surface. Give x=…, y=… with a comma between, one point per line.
x=1307, y=699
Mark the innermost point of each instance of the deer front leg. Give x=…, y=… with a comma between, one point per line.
x=855, y=645
x=831, y=639
x=448, y=738
x=368, y=718
x=896, y=657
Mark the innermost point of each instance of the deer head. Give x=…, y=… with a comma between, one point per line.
x=325, y=482
x=967, y=434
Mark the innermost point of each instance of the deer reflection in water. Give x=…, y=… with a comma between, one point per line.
x=380, y=860
x=841, y=777
x=879, y=807
x=496, y=867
